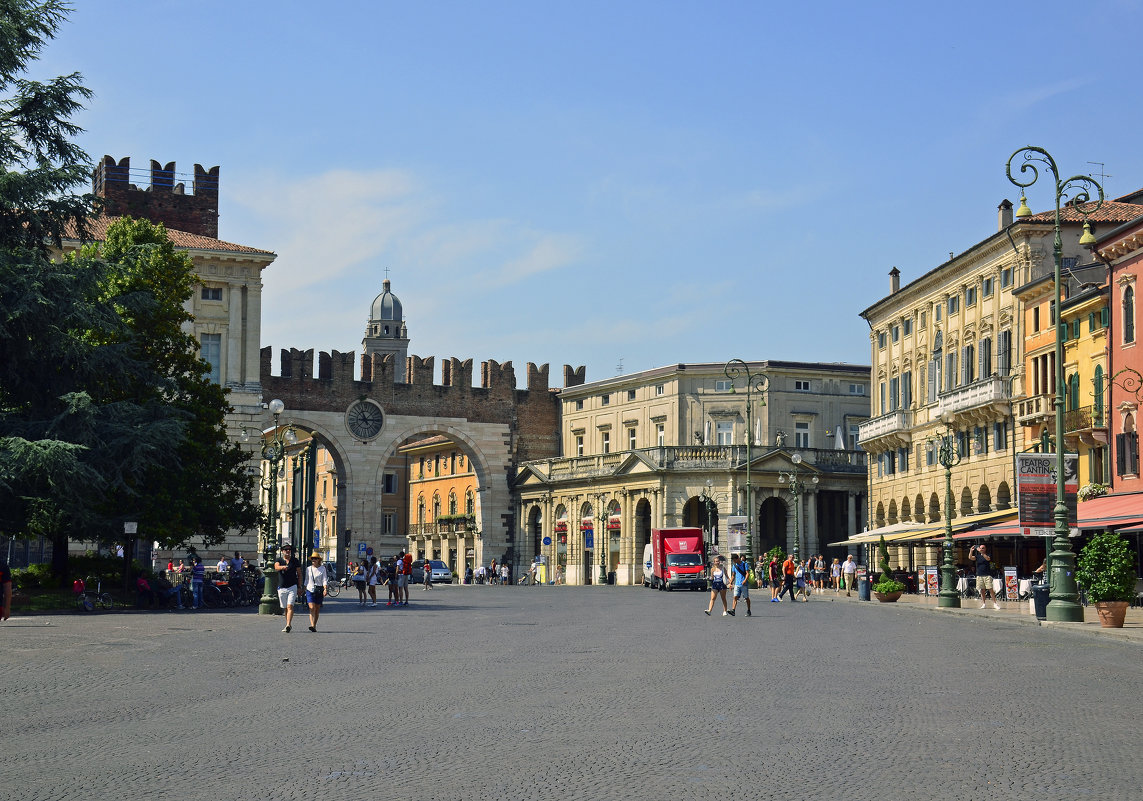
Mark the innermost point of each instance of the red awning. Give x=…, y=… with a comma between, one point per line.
x=1111, y=511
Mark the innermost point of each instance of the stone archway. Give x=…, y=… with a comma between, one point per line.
x=495, y=425
x=773, y=524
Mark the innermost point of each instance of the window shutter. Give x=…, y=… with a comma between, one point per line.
x=933, y=370
x=1104, y=316
x=1133, y=452
x=1120, y=454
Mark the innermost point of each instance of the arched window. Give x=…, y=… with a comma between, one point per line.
x=1073, y=392
x=469, y=503
x=1128, y=315
x=452, y=503
x=436, y=507
x=421, y=509
x=1097, y=414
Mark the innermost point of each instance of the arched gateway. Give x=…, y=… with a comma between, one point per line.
x=363, y=420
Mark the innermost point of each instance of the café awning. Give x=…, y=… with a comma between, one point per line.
x=897, y=529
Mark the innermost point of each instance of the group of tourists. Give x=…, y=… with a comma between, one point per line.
x=392, y=573
x=796, y=578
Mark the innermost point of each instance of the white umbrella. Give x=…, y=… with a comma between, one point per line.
x=839, y=439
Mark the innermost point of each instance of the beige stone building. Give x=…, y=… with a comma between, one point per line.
x=668, y=447
x=950, y=346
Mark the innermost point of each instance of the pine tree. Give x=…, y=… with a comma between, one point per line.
x=69, y=437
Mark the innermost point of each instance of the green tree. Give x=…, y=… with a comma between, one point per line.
x=209, y=490
x=69, y=438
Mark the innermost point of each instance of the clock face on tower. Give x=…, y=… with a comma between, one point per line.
x=364, y=419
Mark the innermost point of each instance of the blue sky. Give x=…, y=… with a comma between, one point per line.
x=601, y=183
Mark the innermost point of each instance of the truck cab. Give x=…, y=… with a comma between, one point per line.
x=677, y=559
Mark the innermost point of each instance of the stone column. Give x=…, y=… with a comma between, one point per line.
x=852, y=526
x=811, y=524
x=233, y=376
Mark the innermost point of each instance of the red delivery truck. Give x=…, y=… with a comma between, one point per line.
x=676, y=559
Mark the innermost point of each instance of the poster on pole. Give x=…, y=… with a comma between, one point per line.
x=932, y=580
x=1011, y=584
x=737, y=534
x=1036, y=491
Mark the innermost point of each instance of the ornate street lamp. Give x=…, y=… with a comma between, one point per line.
x=1063, y=606
x=274, y=453
x=949, y=457
x=755, y=382
x=797, y=487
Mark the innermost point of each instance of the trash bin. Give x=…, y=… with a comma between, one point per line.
x=863, y=588
x=1040, y=600
x=611, y=577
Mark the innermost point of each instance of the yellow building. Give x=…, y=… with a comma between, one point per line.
x=1086, y=316
x=442, y=494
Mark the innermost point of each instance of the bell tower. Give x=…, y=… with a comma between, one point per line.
x=386, y=331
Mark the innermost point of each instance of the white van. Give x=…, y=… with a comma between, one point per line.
x=647, y=557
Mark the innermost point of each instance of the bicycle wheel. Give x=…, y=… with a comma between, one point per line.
x=333, y=589
x=227, y=596
x=186, y=596
x=211, y=596
x=85, y=604
x=105, y=600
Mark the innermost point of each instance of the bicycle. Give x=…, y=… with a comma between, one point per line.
x=332, y=588
x=87, y=600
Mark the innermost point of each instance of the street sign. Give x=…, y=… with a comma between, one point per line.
x=317, y=537
x=1036, y=489
x=588, y=539
x=547, y=540
x=361, y=548
x=368, y=551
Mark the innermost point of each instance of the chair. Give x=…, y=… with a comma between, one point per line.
x=1138, y=593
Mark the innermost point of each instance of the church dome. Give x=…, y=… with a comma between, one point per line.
x=386, y=306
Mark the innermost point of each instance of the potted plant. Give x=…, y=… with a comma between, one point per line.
x=887, y=589
x=1107, y=572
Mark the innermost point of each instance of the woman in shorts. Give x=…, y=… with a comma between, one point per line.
x=717, y=586
x=316, y=579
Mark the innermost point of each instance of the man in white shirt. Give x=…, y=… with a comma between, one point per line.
x=849, y=569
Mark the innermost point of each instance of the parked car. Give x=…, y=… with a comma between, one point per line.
x=440, y=572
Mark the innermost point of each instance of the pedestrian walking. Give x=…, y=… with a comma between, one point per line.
x=740, y=572
x=717, y=586
x=835, y=575
x=316, y=579
x=802, y=581
x=774, y=571
x=504, y=575
x=427, y=578
x=789, y=569
x=849, y=570
x=819, y=572
x=289, y=570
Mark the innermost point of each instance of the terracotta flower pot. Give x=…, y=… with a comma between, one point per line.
x=1111, y=613
x=887, y=597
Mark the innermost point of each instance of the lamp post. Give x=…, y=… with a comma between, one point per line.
x=273, y=452
x=601, y=543
x=755, y=382
x=710, y=503
x=1063, y=606
x=949, y=457
x=797, y=487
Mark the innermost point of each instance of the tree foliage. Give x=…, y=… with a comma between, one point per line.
x=105, y=411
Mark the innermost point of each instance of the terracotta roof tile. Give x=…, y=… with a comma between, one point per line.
x=97, y=231
x=1111, y=211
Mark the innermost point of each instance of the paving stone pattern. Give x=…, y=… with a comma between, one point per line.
x=566, y=693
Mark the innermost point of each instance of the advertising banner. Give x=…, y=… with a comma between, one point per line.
x=1036, y=491
x=1011, y=584
x=736, y=533
x=922, y=584
x=932, y=580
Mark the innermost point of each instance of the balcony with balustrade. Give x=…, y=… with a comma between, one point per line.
x=887, y=431
x=1035, y=410
x=987, y=399
x=1088, y=423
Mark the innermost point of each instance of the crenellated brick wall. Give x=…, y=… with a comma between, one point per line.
x=532, y=414
x=165, y=200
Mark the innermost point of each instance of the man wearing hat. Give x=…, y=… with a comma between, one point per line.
x=289, y=571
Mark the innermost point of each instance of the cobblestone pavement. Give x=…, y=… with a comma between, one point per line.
x=568, y=693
